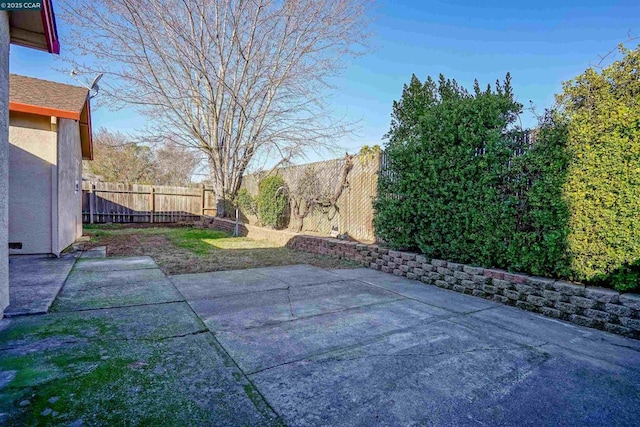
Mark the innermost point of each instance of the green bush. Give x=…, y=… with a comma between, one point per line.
x=246, y=202
x=455, y=189
x=272, y=201
x=603, y=180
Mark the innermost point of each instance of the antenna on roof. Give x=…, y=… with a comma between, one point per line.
x=93, y=88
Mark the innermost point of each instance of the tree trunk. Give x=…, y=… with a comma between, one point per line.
x=221, y=210
x=300, y=212
x=221, y=198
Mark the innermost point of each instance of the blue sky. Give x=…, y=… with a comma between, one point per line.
x=542, y=43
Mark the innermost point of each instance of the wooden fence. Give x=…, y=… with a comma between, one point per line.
x=106, y=202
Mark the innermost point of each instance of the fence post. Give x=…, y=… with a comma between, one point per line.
x=202, y=201
x=152, y=204
x=92, y=202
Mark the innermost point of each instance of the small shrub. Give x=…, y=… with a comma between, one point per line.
x=272, y=201
x=246, y=202
x=624, y=278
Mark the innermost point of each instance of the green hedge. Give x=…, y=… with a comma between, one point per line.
x=461, y=184
x=272, y=201
x=455, y=189
x=603, y=181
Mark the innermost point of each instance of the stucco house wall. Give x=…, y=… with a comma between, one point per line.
x=69, y=183
x=32, y=184
x=45, y=197
x=49, y=135
x=4, y=160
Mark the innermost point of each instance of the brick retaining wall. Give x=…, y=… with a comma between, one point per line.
x=587, y=306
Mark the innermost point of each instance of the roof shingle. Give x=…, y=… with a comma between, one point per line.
x=43, y=93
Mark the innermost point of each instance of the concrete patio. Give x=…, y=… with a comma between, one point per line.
x=34, y=282
x=300, y=345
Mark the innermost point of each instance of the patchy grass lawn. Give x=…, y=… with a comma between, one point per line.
x=184, y=249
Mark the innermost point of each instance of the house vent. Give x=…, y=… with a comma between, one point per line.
x=15, y=245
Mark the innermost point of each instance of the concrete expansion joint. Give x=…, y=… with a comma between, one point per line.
x=170, y=337
x=95, y=286
x=440, y=353
x=121, y=306
x=628, y=347
x=289, y=298
x=259, y=291
x=468, y=313
x=566, y=348
x=403, y=295
x=328, y=313
x=263, y=403
x=77, y=269
x=99, y=339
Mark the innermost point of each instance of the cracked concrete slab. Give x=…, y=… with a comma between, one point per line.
x=447, y=374
x=306, y=346
x=90, y=289
x=519, y=325
x=154, y=364
x=224, y=283
x=424, y=375
x=431, y=357
x=300, y=275
x=34, y=283
x=335, y=296
x=263, y=347
x=184, y=380
x=156, y=321
x=240, y=311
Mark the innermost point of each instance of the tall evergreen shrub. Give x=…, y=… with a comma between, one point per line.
x=602, y=109
x=460, y=185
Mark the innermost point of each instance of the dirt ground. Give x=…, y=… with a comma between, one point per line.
x=184, y=249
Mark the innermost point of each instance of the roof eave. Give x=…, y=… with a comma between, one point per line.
x=43, y=111
x=83, y=118
x=86, y=134
x=35, y=30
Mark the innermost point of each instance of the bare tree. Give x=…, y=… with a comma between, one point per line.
x=236, y=79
